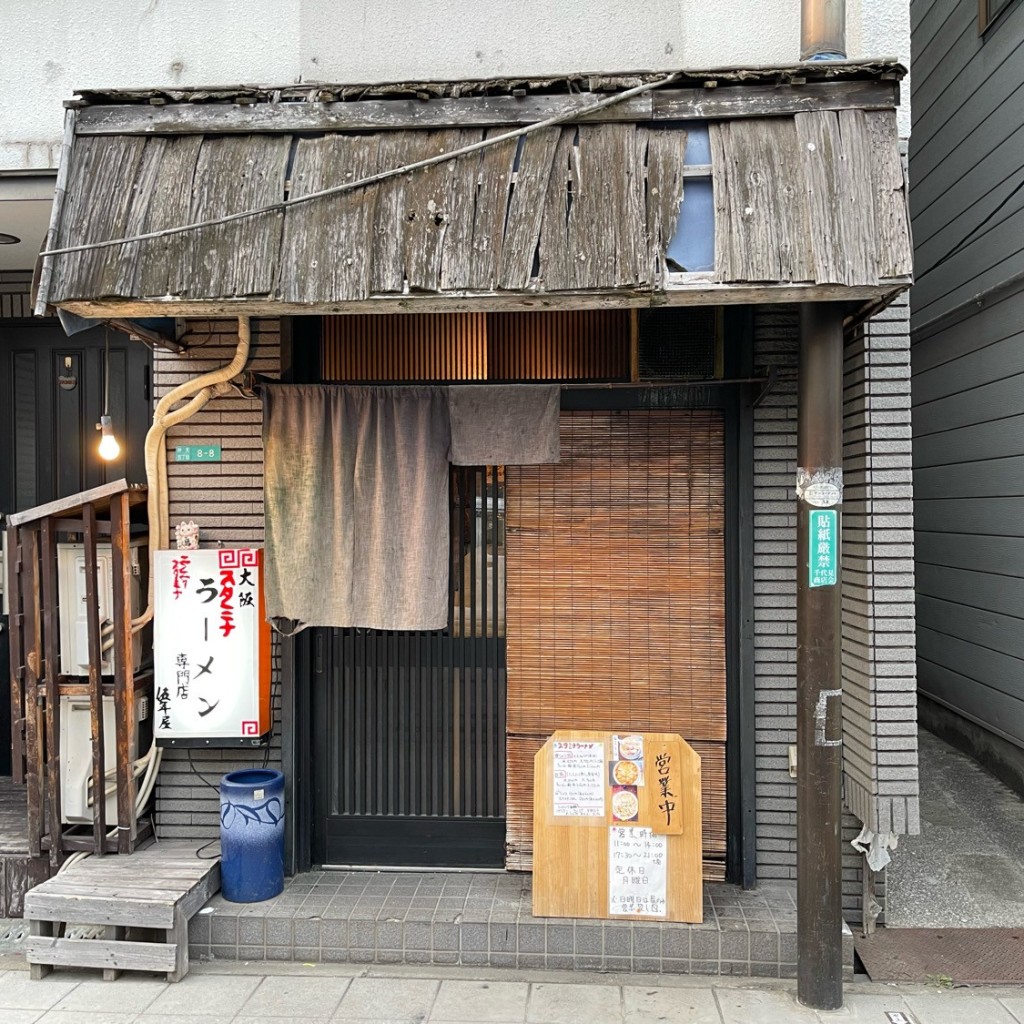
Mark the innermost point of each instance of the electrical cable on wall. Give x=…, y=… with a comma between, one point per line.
x=969, y=237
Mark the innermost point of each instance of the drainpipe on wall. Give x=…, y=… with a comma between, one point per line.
x=823, y=30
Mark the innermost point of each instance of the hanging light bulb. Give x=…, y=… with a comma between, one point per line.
x=109, y=448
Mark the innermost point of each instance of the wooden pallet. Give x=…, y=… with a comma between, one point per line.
x=143, y=902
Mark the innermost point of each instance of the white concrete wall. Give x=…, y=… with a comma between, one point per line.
x=53, y=47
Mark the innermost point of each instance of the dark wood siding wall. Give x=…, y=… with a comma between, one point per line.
x=965, y=151
x=968, y=325
x=969, y=491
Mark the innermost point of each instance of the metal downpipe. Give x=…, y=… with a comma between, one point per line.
x=823, y=30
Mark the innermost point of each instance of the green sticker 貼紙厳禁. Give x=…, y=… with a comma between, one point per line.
x=823, y=541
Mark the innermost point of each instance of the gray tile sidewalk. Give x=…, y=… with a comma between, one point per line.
x=486, y=920
x=285, y=993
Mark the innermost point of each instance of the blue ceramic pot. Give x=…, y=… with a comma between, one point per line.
x=252, y=835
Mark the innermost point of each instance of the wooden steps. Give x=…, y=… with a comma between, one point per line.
x=142, y=901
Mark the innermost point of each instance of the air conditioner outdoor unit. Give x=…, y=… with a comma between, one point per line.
x=74, y=629
x=76, y=756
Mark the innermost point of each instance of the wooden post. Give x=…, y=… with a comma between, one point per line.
x=124, y=683
x=16, y=625
x=33, y=651
x=819, y=693
x=51, y=643
x=92, y=616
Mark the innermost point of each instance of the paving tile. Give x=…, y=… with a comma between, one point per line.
x=560, y=1003
x=618, y=941
x=764, y=947
x=215, y=993
x=671, y=965
x=588, y=939
x=762, y=1006
x=22, y=1016
x=480, y=1001
x=400, y=998
x=474, y=937
x=174, y=1018
x=959, y=1008
x=704, y=945
x=252, y=931
x=734, y=945
x=83, y=1017
x=560, y=938
x=646, y=941
x=445, y=936
x=307, y=933
x=308, y=997
x=669, y=1005
x=532, y=938
x=19, y=992
x=868, y=1007
x=559, y=962
x=502, y=938
x=246, y=1018
x=675, y=942
x=130, y=994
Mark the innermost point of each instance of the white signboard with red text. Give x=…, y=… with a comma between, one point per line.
x=211, y=648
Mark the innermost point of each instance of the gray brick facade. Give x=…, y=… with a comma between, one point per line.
x=226, y=500
x=880, y=760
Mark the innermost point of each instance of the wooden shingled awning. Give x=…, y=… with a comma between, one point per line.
x=809, y=197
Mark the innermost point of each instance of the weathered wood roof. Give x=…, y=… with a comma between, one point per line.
x=814, y=197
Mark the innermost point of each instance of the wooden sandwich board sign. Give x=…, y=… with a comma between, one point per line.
x=617, y=827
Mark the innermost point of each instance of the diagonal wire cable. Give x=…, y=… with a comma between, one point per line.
x=567, y=115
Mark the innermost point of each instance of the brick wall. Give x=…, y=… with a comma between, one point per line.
x=226, y=500
x=878, y=639
x=879, y=649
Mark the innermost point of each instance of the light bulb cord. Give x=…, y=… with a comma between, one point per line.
x=106, y=371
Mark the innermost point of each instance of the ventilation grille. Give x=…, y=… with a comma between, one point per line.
x=678, y=344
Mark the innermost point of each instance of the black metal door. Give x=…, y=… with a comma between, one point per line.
x=409, y=727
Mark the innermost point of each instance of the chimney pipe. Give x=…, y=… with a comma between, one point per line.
x=823, y=30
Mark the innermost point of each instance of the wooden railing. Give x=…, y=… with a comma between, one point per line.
x=37, y=684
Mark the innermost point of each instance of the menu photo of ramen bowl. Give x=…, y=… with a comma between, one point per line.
x=625, y=803
x=626, y=773
x=631, y=748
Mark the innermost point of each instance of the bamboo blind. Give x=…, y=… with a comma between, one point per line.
x=562, y=345
x=616, y=597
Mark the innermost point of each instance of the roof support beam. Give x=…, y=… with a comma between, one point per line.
x=711, y=103
x=701, y=293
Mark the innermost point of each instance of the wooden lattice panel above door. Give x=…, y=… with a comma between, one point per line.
x=616, y=597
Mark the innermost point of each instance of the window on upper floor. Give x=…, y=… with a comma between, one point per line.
x=988, y=11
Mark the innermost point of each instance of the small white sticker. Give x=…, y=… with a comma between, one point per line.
x=822, y=495
x=257, y=794
x=823, y=488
